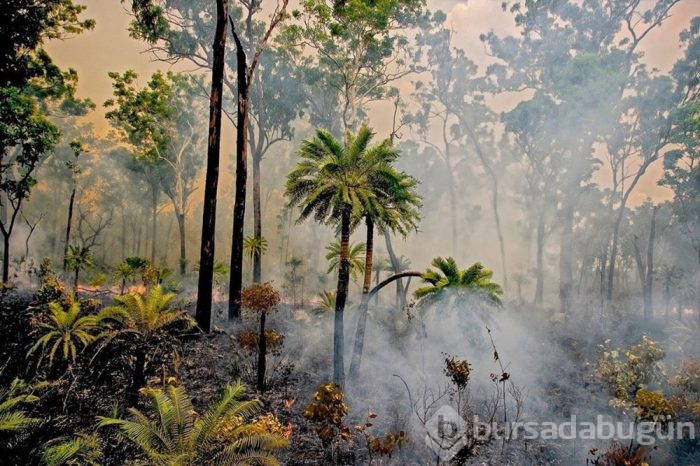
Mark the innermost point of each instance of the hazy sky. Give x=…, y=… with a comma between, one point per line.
x=109, y=48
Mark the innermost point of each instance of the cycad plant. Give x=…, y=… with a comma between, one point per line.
x=79, y=450
x=78, y=259
x=139, y=326
x=15, y=421
x=356, y=258
x=174, y=435
x=467, y=290
x=65, y=333
x=447, y=281
x=123, y=273
x=334, y=183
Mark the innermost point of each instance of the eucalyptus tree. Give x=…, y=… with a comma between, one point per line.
x=583, y=56
x=160, y=123
x=334, y=183
x=358, y=49
x=452, y=105
x=75, y=170
x=151, y=24
x=247, y=61
x=29, y=83
x=532, y=126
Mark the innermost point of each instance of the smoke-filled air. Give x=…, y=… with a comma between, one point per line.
x=349, y=232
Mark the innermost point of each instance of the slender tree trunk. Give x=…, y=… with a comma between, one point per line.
x=613, y=254
x=183, y=243
x=565, y=257
x=359, y=343
x=257, y=219
x=206, y=261
x=236, y=277
x=5, y=257
x=154, y=222
x=123, y=238
x=340, y=299
x=539, y=273
x=75, y=278
x=262, y=353
x=396, y=266
x=398, y=276
x=649, y=278
x=69, y=224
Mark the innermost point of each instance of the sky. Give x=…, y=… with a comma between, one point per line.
x=109, y=48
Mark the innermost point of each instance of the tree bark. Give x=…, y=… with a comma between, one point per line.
x=396, y=266
x=5, y=257
x=649, y=278
x=364, y=305
x=183, y=243
x=236, y=277
x=539, y=271
x=257, y=219
x=565, y=257
x=206, y=261
x=154, y=218
x=69, y=224
x=139, y=377
x=340, y=299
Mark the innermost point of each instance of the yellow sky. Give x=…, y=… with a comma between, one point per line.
x=109, y=48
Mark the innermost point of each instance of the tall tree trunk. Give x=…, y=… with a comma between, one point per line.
x=359, y=343
x=257, y=218
x=649, y=278
x=236, y=277
x=397, y=269
x=340, y=299
x=565, y=257
x=183, y=243
x=154, y=221
x=539, y=271
x=206, y=261
x=5, y=257
x=697, y=293
x=262, y=353
x=69, y=224
x=123, y=238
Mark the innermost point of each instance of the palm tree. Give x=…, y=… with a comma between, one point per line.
x=138, y=325
x=399, y=213
x=449, y=282
x=179, y=437
x=255, y=246
x=66, y=333
x=355, y=257
x=79, y=258
x=334, y=182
